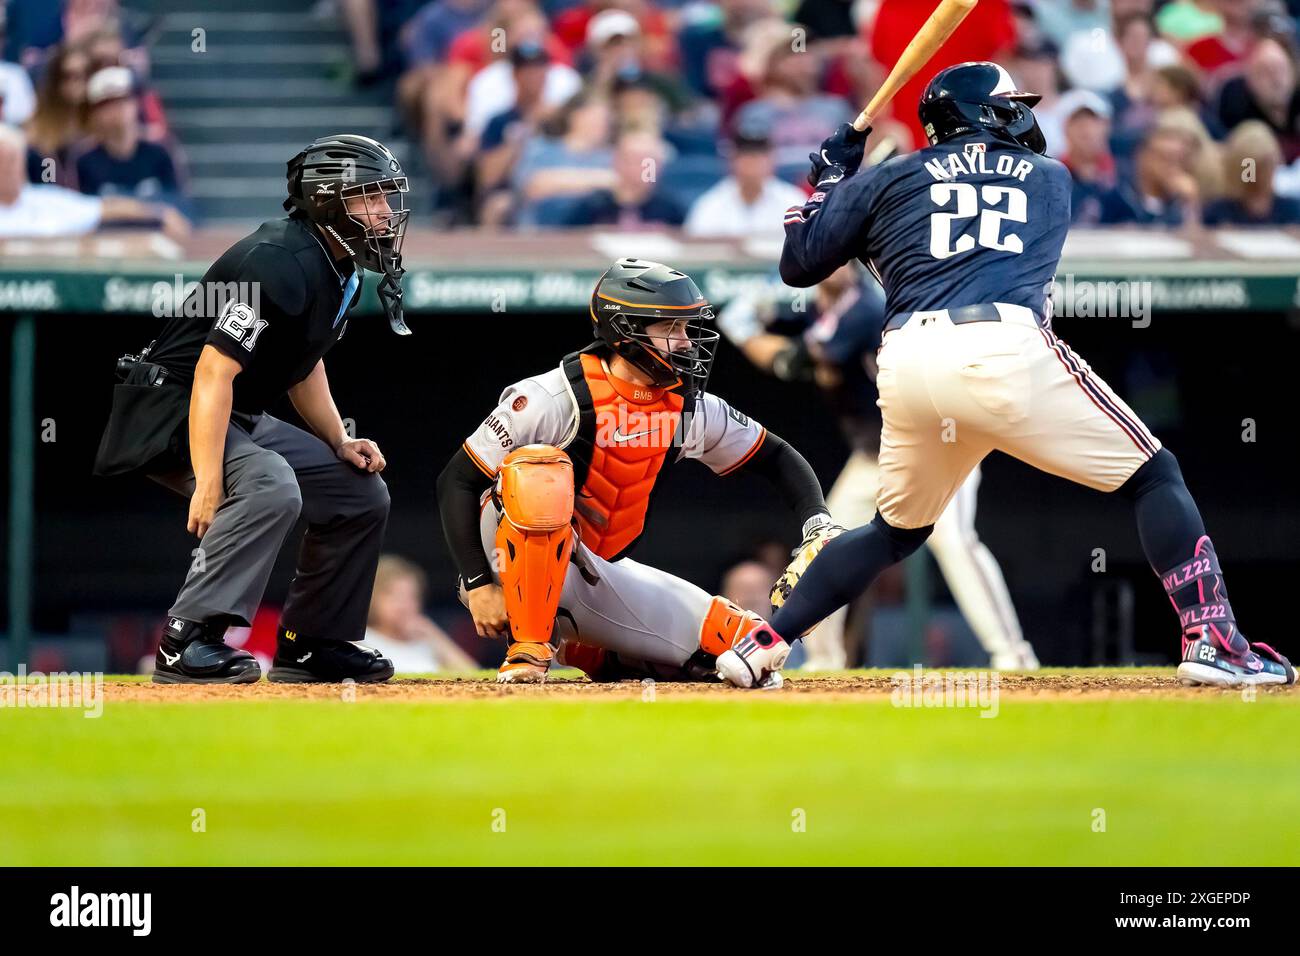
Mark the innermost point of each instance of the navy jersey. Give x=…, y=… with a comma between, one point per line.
x=973, y=220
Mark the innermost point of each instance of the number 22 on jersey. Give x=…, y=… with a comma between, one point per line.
x=965, y=199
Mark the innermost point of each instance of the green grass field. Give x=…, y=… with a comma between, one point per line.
x=728, y=778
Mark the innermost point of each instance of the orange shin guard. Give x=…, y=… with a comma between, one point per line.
x=534, y=538
x=724, y=624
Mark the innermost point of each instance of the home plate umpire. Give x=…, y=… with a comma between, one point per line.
x=190, y=413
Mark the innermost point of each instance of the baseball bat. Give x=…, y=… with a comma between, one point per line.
x=927, y=41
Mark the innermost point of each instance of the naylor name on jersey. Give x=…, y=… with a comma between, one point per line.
x=975, y=161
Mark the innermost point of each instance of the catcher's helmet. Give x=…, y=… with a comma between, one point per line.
x=636, y=293
x=331, y=171
x=977, y=96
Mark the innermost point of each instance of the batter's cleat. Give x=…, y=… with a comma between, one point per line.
x=1208, y=663
x=755, y=661
x=310, y=660
x=526, y=663
x=194, y=652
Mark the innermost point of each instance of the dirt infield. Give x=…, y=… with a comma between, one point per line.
x=1083, y=684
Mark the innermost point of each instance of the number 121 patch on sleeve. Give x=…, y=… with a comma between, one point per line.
x=241, y=323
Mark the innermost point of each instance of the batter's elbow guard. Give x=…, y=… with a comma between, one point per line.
x=534, y=538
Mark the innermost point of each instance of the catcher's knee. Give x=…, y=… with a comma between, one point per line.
x=534, y=538
x=902, y=541
x=725, y=623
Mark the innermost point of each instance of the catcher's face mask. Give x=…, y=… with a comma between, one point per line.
x=684, y=348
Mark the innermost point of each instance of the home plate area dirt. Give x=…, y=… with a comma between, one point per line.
x=1081, y=684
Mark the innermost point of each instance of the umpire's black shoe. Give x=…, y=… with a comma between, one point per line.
x=308, y=660
x=193, y=652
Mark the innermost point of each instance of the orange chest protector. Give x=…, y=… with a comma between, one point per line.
x=626, y=433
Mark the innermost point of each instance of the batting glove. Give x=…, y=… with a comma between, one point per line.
x=841, y=155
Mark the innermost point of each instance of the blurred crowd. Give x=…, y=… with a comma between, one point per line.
x=627, y=113
x=687, y=113
x=84, y=140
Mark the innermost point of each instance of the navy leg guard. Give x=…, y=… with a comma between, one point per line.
x=843, y=570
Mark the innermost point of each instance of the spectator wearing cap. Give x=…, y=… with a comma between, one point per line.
x=492, y=90
x=439, y=108
x=1086, y=152
x=574, y=28
x=107, y=47
x=750, y=201
x=1266, y=91
x=1161, y=189
x=1252, y=158
x=791, y=105
x=121, y=163
x=636, y=200
x=44, y=210
x=506, y=133
x=615, y=55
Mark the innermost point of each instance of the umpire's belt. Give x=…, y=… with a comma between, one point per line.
x=984, y=312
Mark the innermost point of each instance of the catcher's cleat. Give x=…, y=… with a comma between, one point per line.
x=604, y=667
x=755, y=661
x=1207, y=662
x=194, y=652
x=307, y=660
x=525, y=663
x=588, y=658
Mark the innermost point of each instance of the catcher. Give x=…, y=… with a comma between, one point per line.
x=543, y=503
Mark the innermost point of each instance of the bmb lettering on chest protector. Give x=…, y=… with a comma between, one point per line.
x=534, y=538
x=634, y=430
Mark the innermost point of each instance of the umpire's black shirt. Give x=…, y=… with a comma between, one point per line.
x=274, y=302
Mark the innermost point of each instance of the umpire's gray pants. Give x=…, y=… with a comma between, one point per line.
x=273, y=472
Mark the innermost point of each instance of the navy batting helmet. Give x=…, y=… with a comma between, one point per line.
x=971, y=97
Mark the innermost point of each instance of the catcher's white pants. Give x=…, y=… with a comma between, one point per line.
x=638, y=611
x=969, y=568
